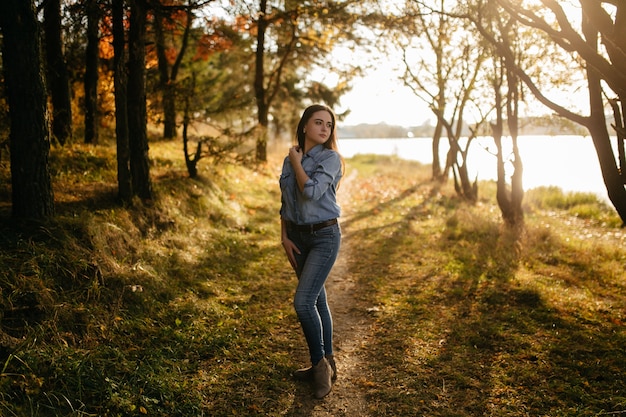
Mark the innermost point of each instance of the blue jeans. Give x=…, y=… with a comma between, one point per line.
x=318, y=252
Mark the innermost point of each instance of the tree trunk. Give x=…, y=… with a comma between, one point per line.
x=602, y=143
x=517, y=188
x=599, y=132
x=259, y=88
x=190, y=162
x=167, y=75
x=620, y=130
x=169, y=111
x=58, y=77
x=137, y=116
x=124, y=183
x=436, y=166
x=462, y=184
x=469, y=189
x=26, y=95
x=509, y=200
x=168, y=90
x=91, y=73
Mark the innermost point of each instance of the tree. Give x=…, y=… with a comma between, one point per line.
x=443, y=64
x=57, y=74
x=509, y=199
x=507, y=107
x=91, y=71
x=137, y=117
x=294, y=40
x=260, y=92
x=32, y=195
x=597, y=44
x=120, y=81
x=427, y=77
x=169, y=61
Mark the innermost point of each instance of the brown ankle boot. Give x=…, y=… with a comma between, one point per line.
x=333, y=366
x=322, y=382
x=306, y=374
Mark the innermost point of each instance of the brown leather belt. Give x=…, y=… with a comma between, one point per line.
x=312, y=227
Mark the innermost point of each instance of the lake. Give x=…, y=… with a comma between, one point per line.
x=568, y=162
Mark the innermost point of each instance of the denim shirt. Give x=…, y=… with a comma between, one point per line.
x=318, y=202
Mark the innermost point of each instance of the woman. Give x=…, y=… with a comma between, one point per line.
x=311, y=235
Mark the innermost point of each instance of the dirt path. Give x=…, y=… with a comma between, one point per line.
x=352, y=333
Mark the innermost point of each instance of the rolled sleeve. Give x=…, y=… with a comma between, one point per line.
x=322, y=177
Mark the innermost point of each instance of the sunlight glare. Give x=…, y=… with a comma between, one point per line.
x=380, y=97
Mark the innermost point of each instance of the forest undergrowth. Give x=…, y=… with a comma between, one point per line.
x=183, y=307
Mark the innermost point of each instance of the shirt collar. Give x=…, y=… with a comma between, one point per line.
x=315, y=150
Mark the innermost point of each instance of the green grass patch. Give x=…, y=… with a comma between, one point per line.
x=578, y=204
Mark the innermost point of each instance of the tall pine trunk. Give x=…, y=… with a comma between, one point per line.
x=166, y=84
x=168, y=73
x=58, y=77
x=26, y=95
x=259, y=88
x=120, y=80
x=137, y=116
x=91, y=73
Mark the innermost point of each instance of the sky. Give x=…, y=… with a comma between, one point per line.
x=381, y=98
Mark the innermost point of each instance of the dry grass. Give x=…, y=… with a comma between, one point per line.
x=184, y=308
x=475, y=319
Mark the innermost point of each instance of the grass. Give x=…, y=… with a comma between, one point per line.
x=478, y=320
x=159, y=310
x=184, y=308
x=582, y=205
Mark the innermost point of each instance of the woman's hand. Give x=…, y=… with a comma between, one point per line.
x=295, y=155
x=291, y=249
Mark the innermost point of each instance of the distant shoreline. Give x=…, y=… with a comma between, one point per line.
x=540, y=126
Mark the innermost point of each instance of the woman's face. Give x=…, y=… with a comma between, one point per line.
x=318, y=129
